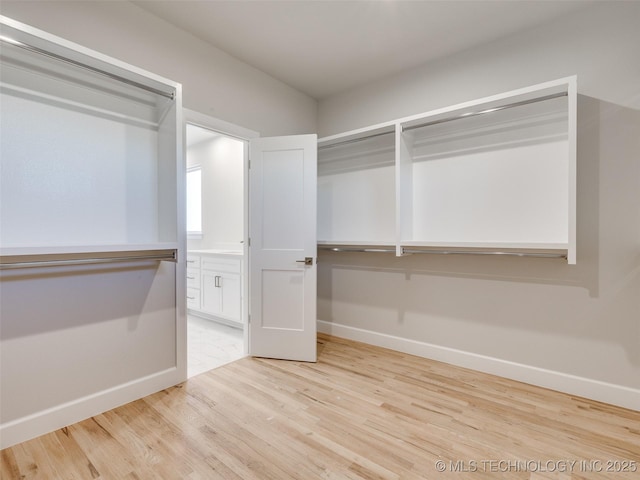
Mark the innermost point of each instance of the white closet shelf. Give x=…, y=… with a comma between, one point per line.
x=70, y=81
x=62, y=52
x=491, y=104
x=332, y=243
x=84, y=249
x=517, y=250
x=357, y=135
x=492, y=245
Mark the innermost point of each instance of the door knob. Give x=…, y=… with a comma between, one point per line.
x=306, y=261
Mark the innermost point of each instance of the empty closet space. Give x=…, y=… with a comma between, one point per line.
x=356, y=188
x=82, y=163
x=494, y=175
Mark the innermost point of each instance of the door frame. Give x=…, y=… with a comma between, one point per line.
x=198, y=119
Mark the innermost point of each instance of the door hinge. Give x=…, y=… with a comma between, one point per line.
x=249, y=319
x=249, y=241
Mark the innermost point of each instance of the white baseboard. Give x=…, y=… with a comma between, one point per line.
x=34, y=425
x=580, y=386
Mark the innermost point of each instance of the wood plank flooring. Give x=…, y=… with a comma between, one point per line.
x=361, y=412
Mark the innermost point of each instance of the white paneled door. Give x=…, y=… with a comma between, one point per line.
x=282, y=250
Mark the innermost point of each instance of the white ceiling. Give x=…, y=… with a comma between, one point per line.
x=323, y=47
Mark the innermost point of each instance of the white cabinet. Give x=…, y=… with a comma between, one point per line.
x=193, y=282
x=214, y=286
x=221, y=294
x=496, y=174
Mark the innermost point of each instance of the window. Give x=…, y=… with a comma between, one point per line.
x=194, y=201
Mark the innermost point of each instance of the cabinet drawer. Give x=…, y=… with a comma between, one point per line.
x=193, y=261
x=222, y=264
x=193, y=278
x=193, y=298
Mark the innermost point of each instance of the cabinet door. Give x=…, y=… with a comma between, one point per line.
x=211, y=293
x=193, y=298
x=231, y=305
x=193, y=278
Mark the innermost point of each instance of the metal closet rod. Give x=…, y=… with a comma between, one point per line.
x=365, y=249
x=113, y=76
x=354, y=140
x=488, y=252
x=488, y=110
x=449, y=119
x=170, y=256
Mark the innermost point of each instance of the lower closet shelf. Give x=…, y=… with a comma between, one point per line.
x=525, y=250
x=17, y=258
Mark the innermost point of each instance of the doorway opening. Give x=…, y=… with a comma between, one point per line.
x=216, y=164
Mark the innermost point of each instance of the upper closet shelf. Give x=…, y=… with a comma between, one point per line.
x=488, y=105
x=494, y=174
x=356, y=135
x=44, y=68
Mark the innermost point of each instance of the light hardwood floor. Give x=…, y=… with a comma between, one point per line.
x=361, y=412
